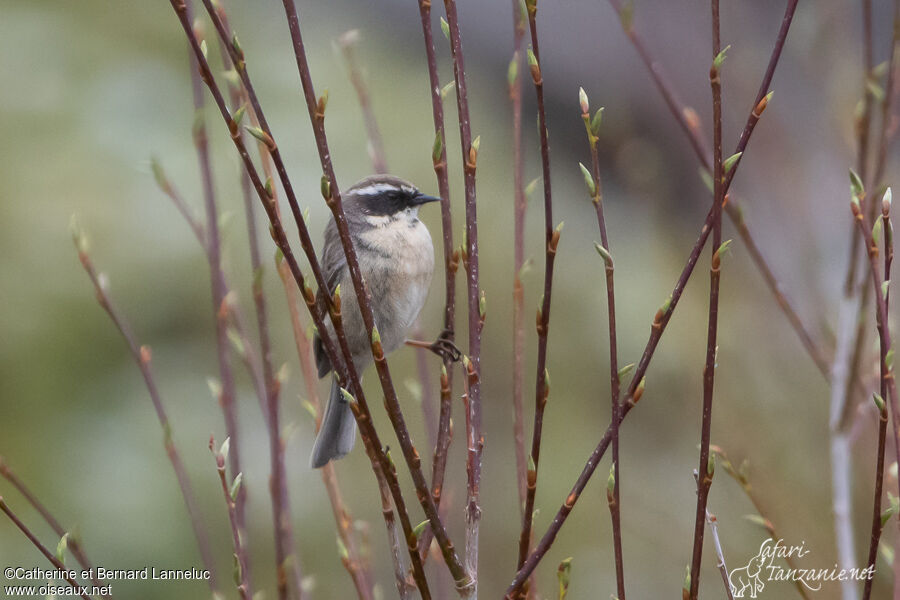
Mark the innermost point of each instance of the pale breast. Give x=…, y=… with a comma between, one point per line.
x=398, y=264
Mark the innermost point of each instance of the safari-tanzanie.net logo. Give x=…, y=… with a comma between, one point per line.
x=778, y=562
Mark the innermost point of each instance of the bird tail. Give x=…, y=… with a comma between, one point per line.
x=338, y=432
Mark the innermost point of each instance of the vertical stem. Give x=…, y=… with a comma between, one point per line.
x=240, y=549
x=551, y=239
x=520, y=205
x=706, y=466
x=218, y=291
x=473, y=367
x=615, y=392
x=451, y=262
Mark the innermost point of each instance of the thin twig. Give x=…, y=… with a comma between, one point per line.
x=520, y=206
x=286, y=571
x=143, y=357
x=73, y=543
x=469, y=148
x=230, y=492
x=592, y=128
x=451, y=263
x=714, y=530
x=658, y=327
x=43, y=549
x=707, y=467
x=551, y=239
x=218, y=291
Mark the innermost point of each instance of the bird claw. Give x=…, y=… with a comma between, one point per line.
x=445, y=348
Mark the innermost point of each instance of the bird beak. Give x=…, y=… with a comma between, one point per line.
x=423, y=199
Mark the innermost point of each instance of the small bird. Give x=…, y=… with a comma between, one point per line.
x=396, y=258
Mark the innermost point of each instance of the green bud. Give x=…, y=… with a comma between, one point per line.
x=445, y=27
x=215, y=388
x=625, y=370
x=877, y=230
x=61, y=548
x=447, y=89
x=879, y=401
x=512, y=72
x=611, y=480
x=238, y=115
x=342, y=549
x=437, y=149
x=607, y=257
x=595, y=122
x=588, y=180
x=856, y=184
x=729, y=162
x=889, y=359
x=236, y=486
x=347, y=396
x=203, y=49
x=532, y=59
x=583, y=101
x=720, y=57
x=418, y=529
x=563, y=574
x=223, y=449
x=325, y=187
x=532, y=185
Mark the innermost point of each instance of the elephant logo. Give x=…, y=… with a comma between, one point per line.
x=748, y=578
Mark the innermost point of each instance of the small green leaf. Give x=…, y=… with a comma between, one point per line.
x=889, y=359
x=532, y=59
x=237, y=572
x=215, y=388
x=342, y=549
x=347, y=396
x=223, y=449
x=611, y=480
x=877, y=230
x=879, y=401
x=687, y=579
x=885, y=286
x=238, y=115
x=532, y=185
x=445, y=27
x=563, y=575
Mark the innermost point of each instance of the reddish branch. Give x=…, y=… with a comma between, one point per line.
x=143, y=357
x=43, y=549
x=361, y=412
x=592, y=130
x=681, y=112
x=706, y=467
x=520, y=205
x=635, y=389
x=451, y=261
x=281, y=512
x=73, y=543
x=551, y=239
x=218, y=291
x=331, y=192
x=476, y=318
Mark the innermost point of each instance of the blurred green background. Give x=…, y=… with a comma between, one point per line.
x=91, y=90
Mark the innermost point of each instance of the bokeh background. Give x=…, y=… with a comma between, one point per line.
x=91, y=90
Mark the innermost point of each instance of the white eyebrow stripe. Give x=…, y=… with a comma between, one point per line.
x=379, y=188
